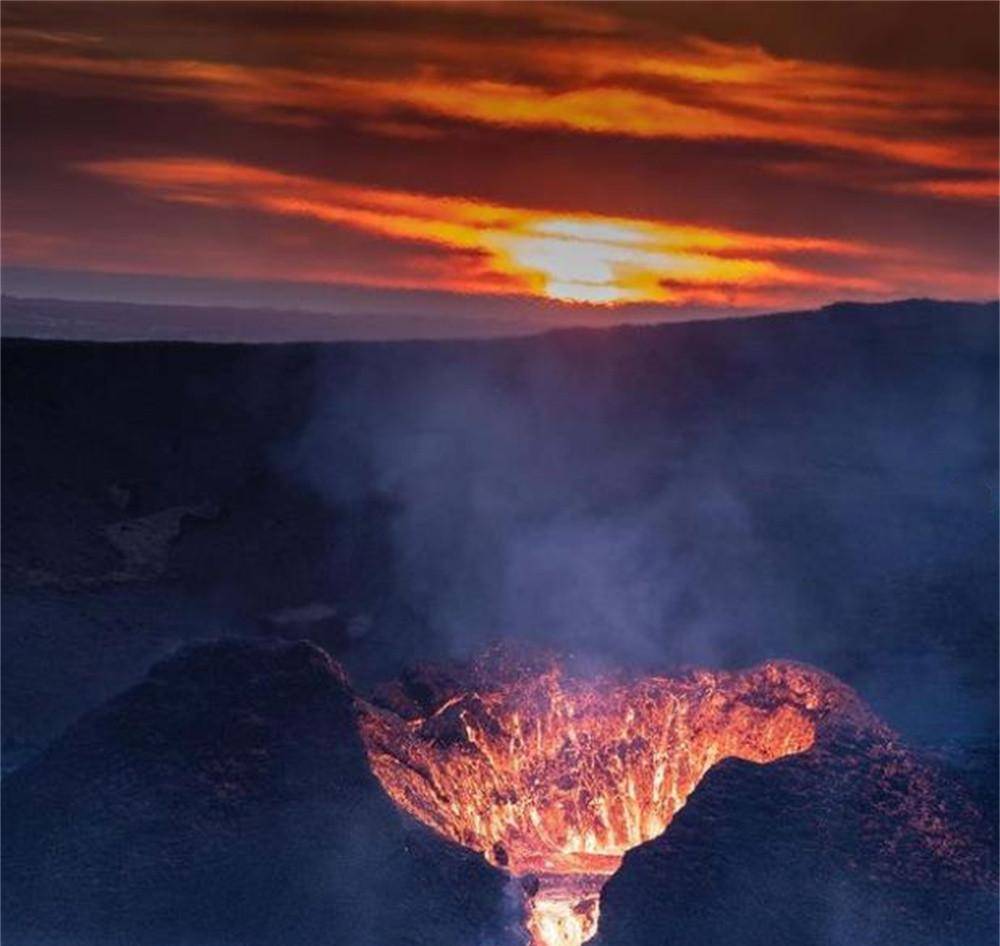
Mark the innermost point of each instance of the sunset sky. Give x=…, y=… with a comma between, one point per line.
x=548, y=163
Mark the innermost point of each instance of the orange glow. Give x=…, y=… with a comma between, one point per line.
x=555, y=777
x=621, y=110
x=844, y=143
x=695, y=89
x=582, y=258
x=979, y=190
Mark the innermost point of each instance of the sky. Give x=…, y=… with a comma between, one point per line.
x=525, y=164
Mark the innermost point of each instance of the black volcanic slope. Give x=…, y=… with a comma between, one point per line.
x=226, y=799
x=855, y=841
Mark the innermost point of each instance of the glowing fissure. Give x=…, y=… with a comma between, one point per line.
x=554, y=777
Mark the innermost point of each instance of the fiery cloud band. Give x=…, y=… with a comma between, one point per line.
x=565, y=256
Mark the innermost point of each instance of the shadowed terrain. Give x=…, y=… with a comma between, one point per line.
x=227, y=799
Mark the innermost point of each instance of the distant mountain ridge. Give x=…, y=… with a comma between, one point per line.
x=114, y=321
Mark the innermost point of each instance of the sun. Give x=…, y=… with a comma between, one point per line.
x=600, y=261
x=578, y=260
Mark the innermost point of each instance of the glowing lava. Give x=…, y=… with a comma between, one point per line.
x=554, y=777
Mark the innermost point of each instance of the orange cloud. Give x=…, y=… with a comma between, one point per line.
x=571, y=257
x=984, y=190
x=693, y=90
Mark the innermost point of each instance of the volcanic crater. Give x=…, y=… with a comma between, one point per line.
x=554, y=775
x=524, y=782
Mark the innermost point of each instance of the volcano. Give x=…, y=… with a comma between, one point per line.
x=808, y=485
x=251, y=793
x=555, y=776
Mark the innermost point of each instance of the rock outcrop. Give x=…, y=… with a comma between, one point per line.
x=856, y=841
x=227, y=799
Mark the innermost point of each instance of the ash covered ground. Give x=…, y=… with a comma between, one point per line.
x=817, y=487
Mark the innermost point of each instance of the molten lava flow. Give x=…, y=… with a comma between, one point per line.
x=554, y=777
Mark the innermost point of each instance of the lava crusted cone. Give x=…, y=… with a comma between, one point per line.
x=227, y=799
x=855, y=841
x=556, y=775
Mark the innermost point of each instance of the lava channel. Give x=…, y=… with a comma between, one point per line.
x=554, y=776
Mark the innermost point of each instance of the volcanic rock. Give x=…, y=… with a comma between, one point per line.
x=227, y=799
x=854, y=841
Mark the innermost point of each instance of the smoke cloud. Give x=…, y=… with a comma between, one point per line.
x=705, y=494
